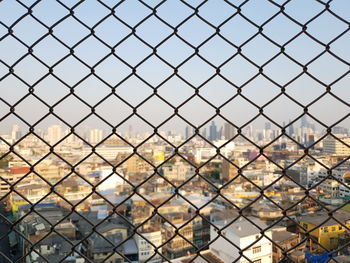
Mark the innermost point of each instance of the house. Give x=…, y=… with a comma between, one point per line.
x=325, y=232
x=112, y=249
x=241, y=235
x=283, y=241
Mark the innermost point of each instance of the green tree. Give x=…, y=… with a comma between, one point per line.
x=4, y=160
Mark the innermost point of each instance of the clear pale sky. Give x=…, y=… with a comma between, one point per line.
x=303, y=49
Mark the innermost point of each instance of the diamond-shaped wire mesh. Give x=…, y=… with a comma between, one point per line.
x=75, y=68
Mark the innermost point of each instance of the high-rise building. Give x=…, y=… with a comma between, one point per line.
x=304, y=122
x=340, y=130
x=250, y=131
x=189, y=131
x=54, y=134
x=311, y=140
x=213, y=132
x=16, y=132
x=290, y=129
x=95, y=136
x=336, y=147
x=229, y=131
x=220, y=133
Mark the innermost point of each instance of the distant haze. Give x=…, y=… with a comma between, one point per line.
x=117, y=69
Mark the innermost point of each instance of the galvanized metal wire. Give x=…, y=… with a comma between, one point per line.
x=196, y=52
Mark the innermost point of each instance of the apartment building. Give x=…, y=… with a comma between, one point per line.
x=246, y=237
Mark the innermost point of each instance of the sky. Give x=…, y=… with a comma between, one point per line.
x=113, y=70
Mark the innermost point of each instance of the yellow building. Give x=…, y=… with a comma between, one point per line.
x=332, y=146
x=326, y=235
x=159, y=156
x=133, y=164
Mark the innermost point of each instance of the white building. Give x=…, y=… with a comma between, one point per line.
x=95, y=136
x=202, y=154
x=246, y=237
x=335, y=185
x=330, y=188
x=54, y=134
x=15, y=132
x=312, y=172
x=344, y=190
x=146, y=250
x=110, y=179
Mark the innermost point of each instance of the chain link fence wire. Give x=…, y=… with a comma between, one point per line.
x=133, y=46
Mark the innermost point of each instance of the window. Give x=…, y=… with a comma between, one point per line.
x=256, y=250
x=325, y=229
x=257, y=261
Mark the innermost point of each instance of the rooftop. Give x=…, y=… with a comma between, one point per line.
x=242, y=227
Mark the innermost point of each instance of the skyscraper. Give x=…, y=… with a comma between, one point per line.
x=267, y=125
x=220, y=133
x=189, y=131
x=15, y=132
x=213, y=132
x=96, y=136
x=250, y=131
x=229, y=131
x=304, y=122
x=54, y=134
x=290, y=129
x=340, y=130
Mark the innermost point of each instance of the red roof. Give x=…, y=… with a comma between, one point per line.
x=19, y=170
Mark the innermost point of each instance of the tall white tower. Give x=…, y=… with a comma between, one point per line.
x=96, y=136
x=15, y=132
x=54, y=134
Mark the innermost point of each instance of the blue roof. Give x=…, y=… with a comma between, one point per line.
x=96, y=174
x=28, y=206
x=323, y=258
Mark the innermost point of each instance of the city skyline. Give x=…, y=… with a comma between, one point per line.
x=256, y=85
x=303, y=122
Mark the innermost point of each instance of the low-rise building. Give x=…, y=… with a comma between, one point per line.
x=325, y=231
x=336, y=146
x=147, y=242
x=282, y=242
x=246, y=237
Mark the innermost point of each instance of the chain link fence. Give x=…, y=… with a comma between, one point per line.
x=128, y=53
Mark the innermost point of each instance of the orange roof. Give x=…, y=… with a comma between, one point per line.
x=19, y=170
